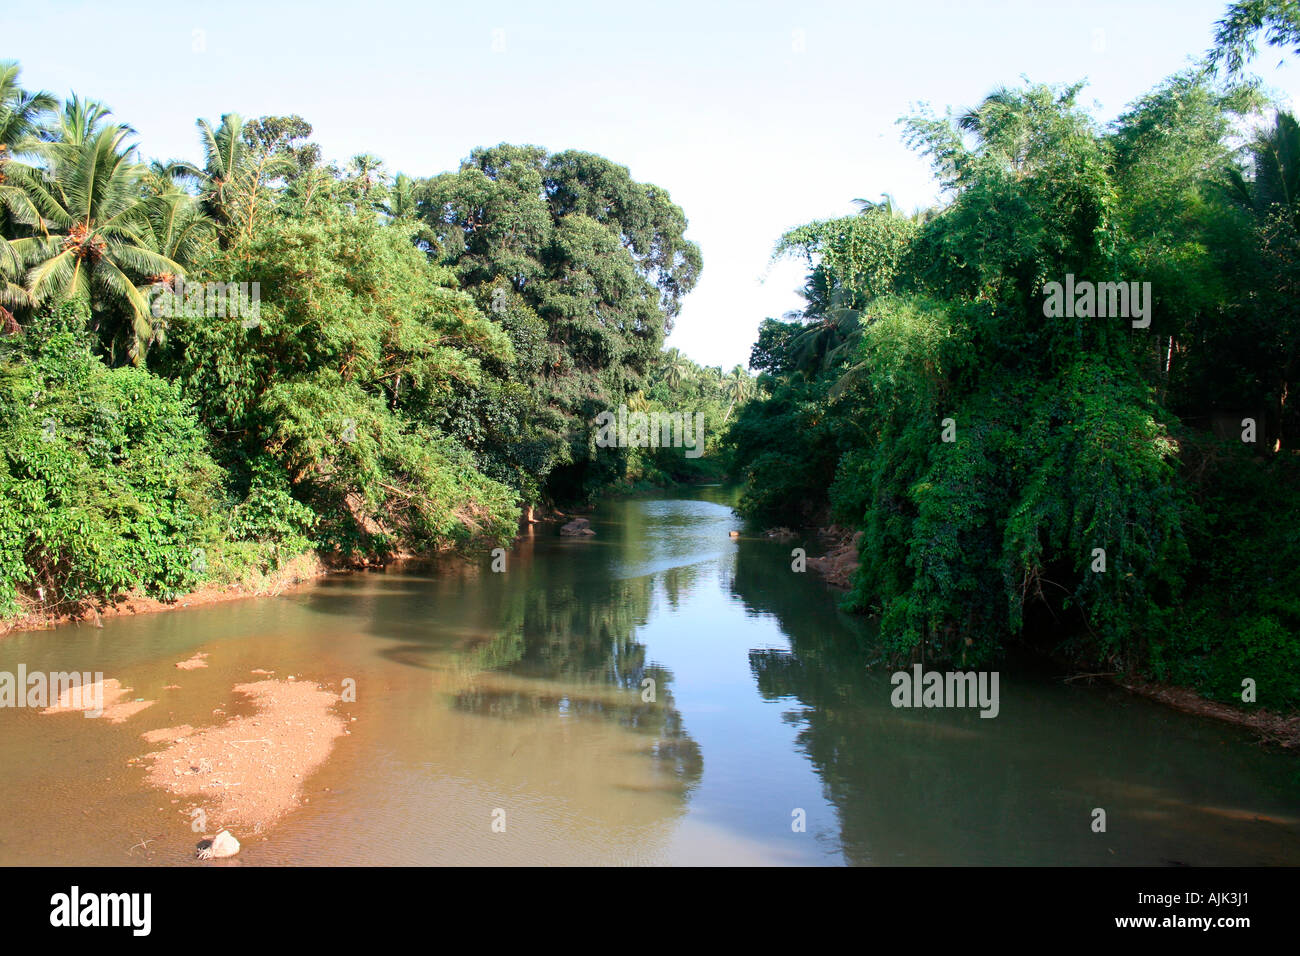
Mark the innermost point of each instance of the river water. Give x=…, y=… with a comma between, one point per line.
x=520, y=699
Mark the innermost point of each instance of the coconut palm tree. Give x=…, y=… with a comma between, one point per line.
x=401, y=198
x=890, y=207
x=1013, y=125
x=21, y=116
x=1275, y=156
x=21, y=112
x=737, y=388
x=366, y=170
x=175, y=227
x=677, y=369
x=163, y=178
x=1001, y=118
x=234, y=179
x=79, y=121
x=832, y=326
x=886, y=205
x=94, y=241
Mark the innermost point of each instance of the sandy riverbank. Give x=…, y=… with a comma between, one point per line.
x=244, y=773
x=304, y=567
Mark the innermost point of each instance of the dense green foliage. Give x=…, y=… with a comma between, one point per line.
x=585, y=269
x=404, y=364
x=257, y=355
x=107, y=483
x=1021, y=471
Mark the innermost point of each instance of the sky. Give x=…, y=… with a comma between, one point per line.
x=756, y=116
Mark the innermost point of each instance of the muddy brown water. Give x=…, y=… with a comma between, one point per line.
x=502, y=718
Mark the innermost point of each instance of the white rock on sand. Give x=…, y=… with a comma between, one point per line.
x=220, y=846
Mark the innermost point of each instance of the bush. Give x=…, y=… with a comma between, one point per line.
x=1240, y=617
x=106, y=484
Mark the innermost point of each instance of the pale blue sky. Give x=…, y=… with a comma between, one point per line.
x=756, y=116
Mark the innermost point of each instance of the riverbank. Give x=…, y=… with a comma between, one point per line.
x=840, y=562
x=299, y=569
x=838, y=565
x=1272, y=728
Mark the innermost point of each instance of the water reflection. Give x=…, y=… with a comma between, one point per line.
x=946, y=786
x=660, y=693
x=550, y=643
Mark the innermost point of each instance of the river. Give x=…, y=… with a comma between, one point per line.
x=520, y=698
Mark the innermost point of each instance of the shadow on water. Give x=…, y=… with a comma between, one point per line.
x=945, y=785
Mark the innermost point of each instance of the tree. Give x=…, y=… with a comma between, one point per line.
x=584, y=267
x=1171, y=162
x=341, y=388
x=21, y=116
x=234, y=180
x=401, y=202
x=1234, y=35
x=21, y=112
x=677, y=368
x=738, y=388
x=366, y=169
x=94, y=243
x=106, y=481
x=284, y=136
x=1270, y=321
x=1056, y=445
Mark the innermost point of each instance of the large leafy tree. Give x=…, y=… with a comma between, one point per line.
x=339, y=388
x=284, y=136
x=584, y=267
